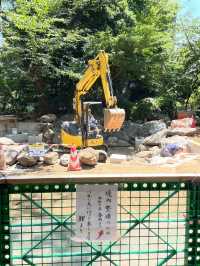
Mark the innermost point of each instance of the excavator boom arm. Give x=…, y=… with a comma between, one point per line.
x=98, y=68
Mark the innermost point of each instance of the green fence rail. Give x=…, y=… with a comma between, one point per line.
x=158, y=224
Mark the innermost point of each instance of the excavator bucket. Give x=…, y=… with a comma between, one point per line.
x=113, y=119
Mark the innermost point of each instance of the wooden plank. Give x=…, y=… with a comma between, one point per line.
x=100, y=178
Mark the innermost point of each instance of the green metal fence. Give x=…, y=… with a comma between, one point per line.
x=158, y=224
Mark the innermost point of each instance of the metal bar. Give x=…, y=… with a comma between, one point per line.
x=59, y=224
x=75, y=254
x=4, y=227
x=192, y=243
x=171, y=254
x=181, y=220
x=72, y=178
x=143, y=218
x=40, y=207
x=60, y=247
x=152, y=231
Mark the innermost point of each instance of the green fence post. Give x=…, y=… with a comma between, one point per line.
x=192, y=251
x=4, y=227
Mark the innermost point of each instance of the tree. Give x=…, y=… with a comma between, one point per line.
x=48, y=42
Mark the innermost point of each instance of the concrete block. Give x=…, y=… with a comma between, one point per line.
x=18, y=138
x=29, y=126
x=118, y=158
x=34, y=139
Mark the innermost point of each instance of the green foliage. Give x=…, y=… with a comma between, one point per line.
x=143, y=110
x=48, y=42
x=168, y=105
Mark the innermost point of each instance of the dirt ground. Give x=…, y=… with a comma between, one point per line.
x=133, y=166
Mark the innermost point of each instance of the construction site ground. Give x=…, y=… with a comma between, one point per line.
x=134, y=166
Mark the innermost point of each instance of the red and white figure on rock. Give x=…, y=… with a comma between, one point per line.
x=74, y=162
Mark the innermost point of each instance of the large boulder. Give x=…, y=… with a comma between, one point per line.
x=51, y=158
x=152, y=127
x=6, y=141
x=133, y=129
x=122, y=134
x=44, y=126
x=183, y=131
x=112, y=141
x=48, y=136
x=48, y=118
x=155, y=139
x=27, y=160
x=116, y=142
x=122, y=143
x=11, y=154
x=88, y=156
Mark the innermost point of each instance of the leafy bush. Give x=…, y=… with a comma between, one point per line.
x=167, y=105
x=144, y=110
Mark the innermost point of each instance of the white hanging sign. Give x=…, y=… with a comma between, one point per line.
x=96, y=213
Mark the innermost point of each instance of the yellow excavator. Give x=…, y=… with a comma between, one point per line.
x=78, y=132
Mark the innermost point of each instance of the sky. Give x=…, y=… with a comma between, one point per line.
x=191, y=7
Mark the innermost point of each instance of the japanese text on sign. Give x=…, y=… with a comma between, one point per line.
x=96, y=212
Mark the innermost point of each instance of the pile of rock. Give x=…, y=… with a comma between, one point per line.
x=47, y=127
x=19, y=154
x=151, y=145
x=130, y=132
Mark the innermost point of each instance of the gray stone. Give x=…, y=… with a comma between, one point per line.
x=48, y=136
x=45, y=126
x=156, y=138
x=11, y=156
x=142, y=147
x=133, y=129
x=48, y=118
x=122, y=134
x=112, y=141
x=102, y=156
x=122, y=143
x=183, y=131
x=138, y=142
x=152, y=127
x=56, y=138
x=51, y=158
x=26, y=160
